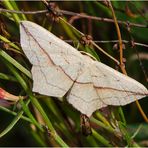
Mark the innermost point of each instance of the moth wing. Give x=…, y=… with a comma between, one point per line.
x=115, y=88
x=56, y=64
x=99, y=86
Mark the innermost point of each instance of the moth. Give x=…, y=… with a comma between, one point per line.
x=59, y=69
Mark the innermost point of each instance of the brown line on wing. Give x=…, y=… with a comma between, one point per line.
x=109, y=88
x=27, y=32
x=95, y=99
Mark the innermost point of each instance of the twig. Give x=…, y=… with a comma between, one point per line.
x=103, y=51
x=142, y=66
x=121, y=59
x=120, y=39
x=76, y=14
x=111, y=41
x=133, y=46
x=101, y=19
x=23, y=12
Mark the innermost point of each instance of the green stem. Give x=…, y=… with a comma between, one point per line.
x=14, y=113
x=37, y=105
x=122, y=115
x=27, y=111
x=10, y=7
x=101, y=138
x=15, y=63
x=57, y=114
x=102, y=118
x=108, y=128
x=48, y=123
x=14, y=121
x=7, y=77
x=9, y=42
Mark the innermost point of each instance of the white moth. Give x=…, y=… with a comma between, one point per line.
x=60, y=69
